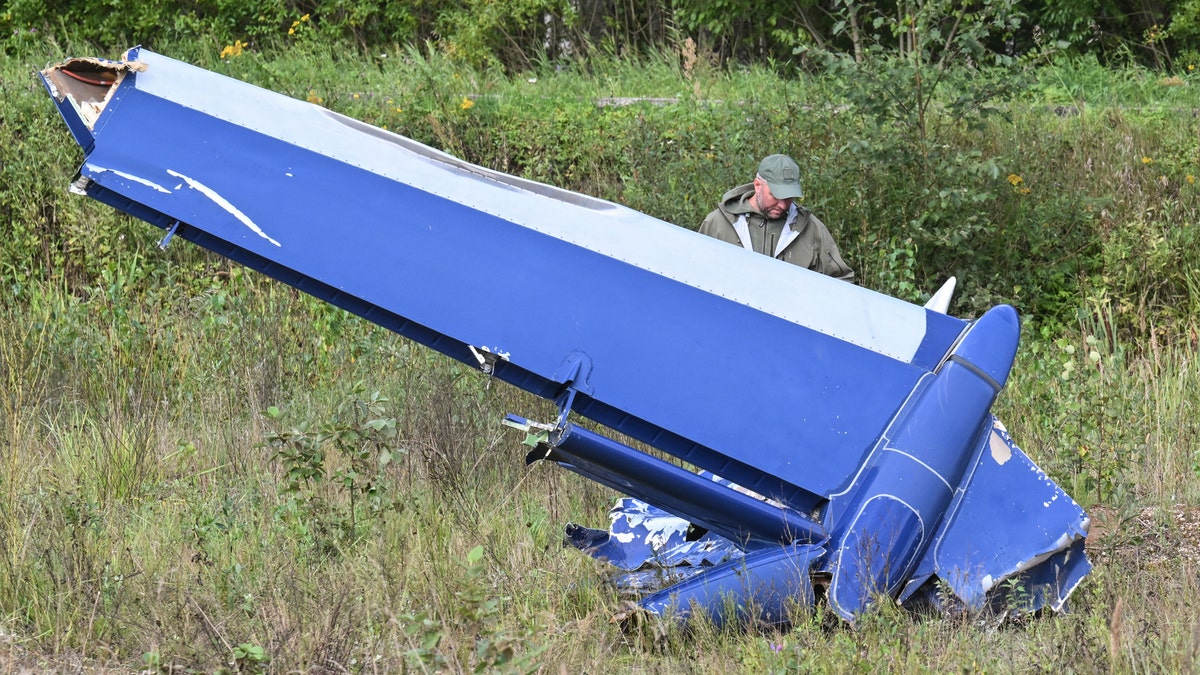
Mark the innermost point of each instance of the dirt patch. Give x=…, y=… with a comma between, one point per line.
x=1148, y=536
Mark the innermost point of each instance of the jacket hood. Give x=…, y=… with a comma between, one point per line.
x=736, y=201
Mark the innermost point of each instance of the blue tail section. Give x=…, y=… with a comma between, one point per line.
x=838, y=419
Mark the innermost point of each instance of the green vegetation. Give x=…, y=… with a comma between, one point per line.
x=204, y=470
x=517, y=34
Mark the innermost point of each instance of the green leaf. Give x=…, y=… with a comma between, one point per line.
x=475, y=555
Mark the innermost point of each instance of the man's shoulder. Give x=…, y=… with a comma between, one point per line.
x=719, y=225
x=719, y=222
x=732, y=205
x=716, y=220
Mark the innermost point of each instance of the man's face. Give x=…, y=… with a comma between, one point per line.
x=768, y=205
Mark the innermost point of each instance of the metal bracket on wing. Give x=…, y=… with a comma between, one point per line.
x=162, y=243
x=487, y=358
x=537, y=436
x=573, y=373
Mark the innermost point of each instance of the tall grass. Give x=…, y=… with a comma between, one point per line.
x=179, y=433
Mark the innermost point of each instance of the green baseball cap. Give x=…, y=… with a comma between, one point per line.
x=782, y=176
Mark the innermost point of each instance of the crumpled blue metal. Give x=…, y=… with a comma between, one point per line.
x=991, y=554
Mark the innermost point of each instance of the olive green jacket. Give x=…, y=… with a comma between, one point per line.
x=799, y=237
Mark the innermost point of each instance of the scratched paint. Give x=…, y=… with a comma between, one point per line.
x=224, y=204
x=129, y=177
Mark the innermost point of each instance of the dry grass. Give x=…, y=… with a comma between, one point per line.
x=177, y=543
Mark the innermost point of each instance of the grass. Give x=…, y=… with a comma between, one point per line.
x=145, y=520
x=148, y=519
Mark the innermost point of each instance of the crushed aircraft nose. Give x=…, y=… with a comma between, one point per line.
x=860, y=462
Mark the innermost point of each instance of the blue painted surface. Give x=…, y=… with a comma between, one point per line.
x=859, y=421
x=881, y=526
x=700, y=500
x=1008, y=514
x=765, y=586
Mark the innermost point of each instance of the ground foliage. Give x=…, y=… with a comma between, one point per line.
x=519, y=33
x=205, y=470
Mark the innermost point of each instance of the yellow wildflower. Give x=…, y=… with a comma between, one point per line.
x=1190, y=179
x=234, y=49
x=291, y=31
x=355, y=95
x=1147, y=160
x=1018, y=184
x=304, y=18
x=314, y=98
x=467, y=103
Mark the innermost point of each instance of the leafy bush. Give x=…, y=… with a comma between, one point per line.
x=335, y=476
x=925, y=82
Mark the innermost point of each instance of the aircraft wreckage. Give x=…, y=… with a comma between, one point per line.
x=858, y=460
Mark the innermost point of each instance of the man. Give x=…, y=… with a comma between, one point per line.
x=762, y=217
